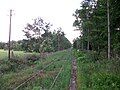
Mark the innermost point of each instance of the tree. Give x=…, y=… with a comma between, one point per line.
x=97, y=25
x=2, y=45
x=34, y=31
x=41, y=39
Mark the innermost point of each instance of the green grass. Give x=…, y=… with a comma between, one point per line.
x=3, y=54
x=62, y=58
x=19, y=54
x=97, y=75
x=12, y=79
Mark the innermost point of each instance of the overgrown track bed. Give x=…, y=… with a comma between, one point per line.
x=50, y=78
x=33, y=76
x=56, y=78
x=73, y=82
x=52, y=72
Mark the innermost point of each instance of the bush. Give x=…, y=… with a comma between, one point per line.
x=103, y=80
x=96, y=72
x=32, y=57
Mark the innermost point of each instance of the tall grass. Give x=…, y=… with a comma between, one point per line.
x=13, y=78
x=97, y=74
x=62, y=58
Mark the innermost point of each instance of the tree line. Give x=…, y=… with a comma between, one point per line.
x=40, y=38
x=91, y=21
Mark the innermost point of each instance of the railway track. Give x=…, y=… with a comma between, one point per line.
x=30, y=79
x=34, y=75
x=38, y=73
x=56, y=78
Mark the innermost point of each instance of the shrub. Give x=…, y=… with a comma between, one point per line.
x=32, y=57
x=103, y=80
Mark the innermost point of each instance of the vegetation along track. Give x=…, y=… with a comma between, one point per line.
x=39, y=73
x=33, y=76
x=51, y=73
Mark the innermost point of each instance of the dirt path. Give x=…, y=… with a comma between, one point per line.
x=73, y=82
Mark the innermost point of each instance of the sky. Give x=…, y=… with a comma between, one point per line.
x=57, y=12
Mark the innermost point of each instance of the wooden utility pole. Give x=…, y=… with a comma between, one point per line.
x=108, y=16
x=9, y=45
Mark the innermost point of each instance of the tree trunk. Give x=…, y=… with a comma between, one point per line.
x=88, y=43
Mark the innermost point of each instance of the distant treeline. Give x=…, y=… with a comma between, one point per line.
x=40, y=38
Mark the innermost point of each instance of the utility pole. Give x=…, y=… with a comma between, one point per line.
x=9, y=45
x=108, y=16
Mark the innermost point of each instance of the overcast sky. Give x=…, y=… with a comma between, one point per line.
x=58, y=12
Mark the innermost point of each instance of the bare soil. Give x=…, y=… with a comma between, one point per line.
x=73, y=82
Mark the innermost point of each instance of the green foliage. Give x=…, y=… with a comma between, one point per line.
x=32, y=57
x=103, y=80
x=100, y=74
x=22, y=69
x=2, y=44
x=91, y=20
x=41, y=39
x=36, y=88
